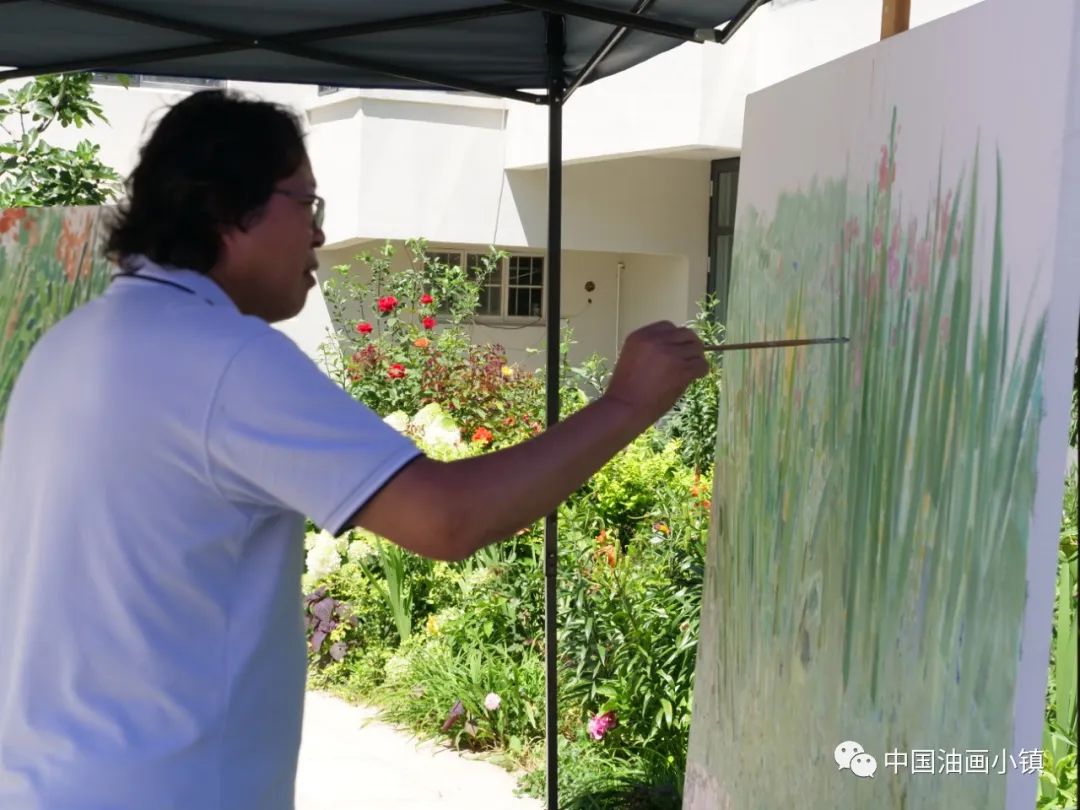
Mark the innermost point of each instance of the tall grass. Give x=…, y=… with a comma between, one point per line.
x=867, y=579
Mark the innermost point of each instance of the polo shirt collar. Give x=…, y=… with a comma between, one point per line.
x=199, y=283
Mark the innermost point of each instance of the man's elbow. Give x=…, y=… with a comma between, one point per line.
x=446, y=528
x=425, y=510
x=456, y=532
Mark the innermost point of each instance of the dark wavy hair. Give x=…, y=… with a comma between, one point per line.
x=210, y=166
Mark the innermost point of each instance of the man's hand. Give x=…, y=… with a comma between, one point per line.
x=655, y=367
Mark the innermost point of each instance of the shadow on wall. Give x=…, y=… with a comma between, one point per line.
x=640, y=205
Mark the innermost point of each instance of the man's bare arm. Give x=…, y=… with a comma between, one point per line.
x=449, y=510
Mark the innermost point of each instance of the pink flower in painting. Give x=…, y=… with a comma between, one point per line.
x=946, y=210
x=872, y=286
x=884, y=175
x=601, y=724
x=894, y=268
x=851, y=232
x=922, y=266
x=944, y=216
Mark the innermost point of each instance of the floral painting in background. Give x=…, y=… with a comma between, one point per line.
x=877, y=602
x=50, y=263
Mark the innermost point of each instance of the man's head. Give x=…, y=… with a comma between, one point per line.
x=224, y=187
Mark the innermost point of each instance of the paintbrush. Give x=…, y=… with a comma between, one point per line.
x=773, y=344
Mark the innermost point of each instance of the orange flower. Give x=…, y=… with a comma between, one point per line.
x=71, y=248
x=607, y=552
x=10, y=216
x=482, y=435
x=421, y=343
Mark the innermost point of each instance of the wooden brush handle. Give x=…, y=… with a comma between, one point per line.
x=773, y=344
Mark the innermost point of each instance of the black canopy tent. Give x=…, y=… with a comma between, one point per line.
x=511, y=49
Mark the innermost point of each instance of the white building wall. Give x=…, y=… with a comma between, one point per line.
x=691, y=99
x=468, y=170
x=645, y=288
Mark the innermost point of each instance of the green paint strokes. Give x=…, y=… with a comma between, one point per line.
x=867, y=572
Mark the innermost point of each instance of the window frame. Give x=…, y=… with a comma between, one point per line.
x=718, y=278
x=156, y=82
x=504, y=318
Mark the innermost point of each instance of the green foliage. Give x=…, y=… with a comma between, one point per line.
x=628, y=621
x=591, y=779
x=1058, y=780
x=34, y=173
x=425, y=682
x=693, y=419
x=620, y=498
x=396, y=584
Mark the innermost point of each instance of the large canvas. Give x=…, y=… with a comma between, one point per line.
x=877, y=606
x=50, y=263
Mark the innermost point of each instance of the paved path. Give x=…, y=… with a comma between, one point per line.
x=350, y=762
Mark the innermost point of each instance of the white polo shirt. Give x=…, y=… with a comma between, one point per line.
x=159, y=455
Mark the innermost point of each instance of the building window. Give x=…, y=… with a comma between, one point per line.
x=725, y=186
x=165, y=82
x=513, y=291
x=525, y=288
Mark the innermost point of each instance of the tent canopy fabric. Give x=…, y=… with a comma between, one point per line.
x=483, y=46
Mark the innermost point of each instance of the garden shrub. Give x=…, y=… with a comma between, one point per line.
x=455, y=650
x=409, y=346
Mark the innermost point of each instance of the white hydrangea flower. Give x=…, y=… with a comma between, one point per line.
x=358, y=550
x=426, y=415
x=324, y=557
x=398, y=420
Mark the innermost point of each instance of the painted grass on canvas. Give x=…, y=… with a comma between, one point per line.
x=49, y=265
x=873, y=501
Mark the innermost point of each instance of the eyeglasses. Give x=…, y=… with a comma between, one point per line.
x=317, y=203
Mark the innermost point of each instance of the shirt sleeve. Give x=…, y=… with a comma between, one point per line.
x=280, y=433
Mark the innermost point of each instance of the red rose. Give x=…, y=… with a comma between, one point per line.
x=364, y=328
x=387, y=304
x=396, y=371
x=482, y=435
x=429, y=322
x=426, y=299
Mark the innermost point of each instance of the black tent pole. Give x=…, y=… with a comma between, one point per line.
x=556, y=46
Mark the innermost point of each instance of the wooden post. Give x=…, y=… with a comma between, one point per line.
x=895, y=17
